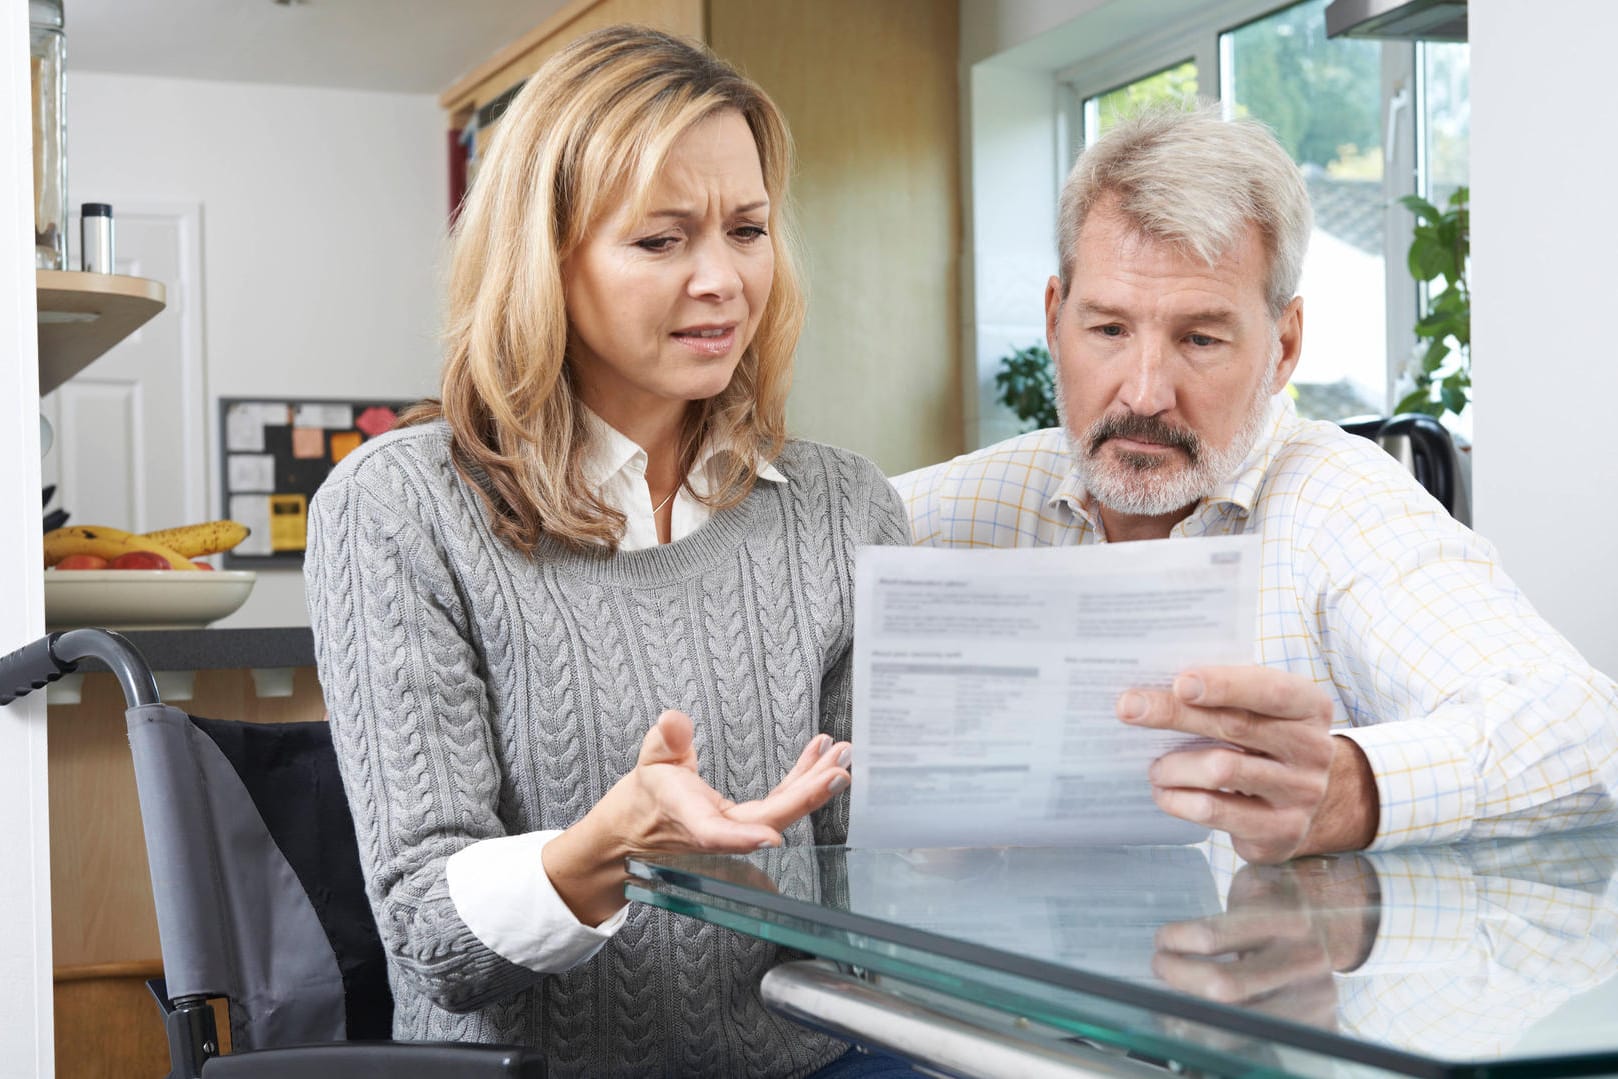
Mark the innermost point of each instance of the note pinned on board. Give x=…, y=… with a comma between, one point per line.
x=289, y=522
x=253, y=472
x=276, y=454
x=244, y=428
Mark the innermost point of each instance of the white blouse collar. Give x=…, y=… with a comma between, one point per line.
x=612, y=452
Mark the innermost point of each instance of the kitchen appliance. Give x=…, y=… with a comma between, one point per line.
x=1425, y=448
x=1397, y=20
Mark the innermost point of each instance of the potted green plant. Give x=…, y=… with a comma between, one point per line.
x=1026, y=384
x=1439, y=251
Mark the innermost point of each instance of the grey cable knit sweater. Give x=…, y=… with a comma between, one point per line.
x=474, y=692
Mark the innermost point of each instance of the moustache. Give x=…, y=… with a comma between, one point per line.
x=1142, y=429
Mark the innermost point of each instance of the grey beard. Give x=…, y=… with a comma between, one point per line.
x=1150, y=485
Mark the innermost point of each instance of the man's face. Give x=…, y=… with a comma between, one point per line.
x=1165, y=364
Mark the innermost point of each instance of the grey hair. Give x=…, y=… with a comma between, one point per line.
x=1189, y=177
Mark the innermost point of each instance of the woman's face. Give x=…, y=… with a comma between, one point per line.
x=660, y=308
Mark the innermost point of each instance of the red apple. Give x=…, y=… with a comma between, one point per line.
x=140, y=560
x=197, y=562
x=83, y=561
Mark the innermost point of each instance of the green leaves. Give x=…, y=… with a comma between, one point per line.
x=1419, y=401
x=1440, y=245
x=1442, y=238
x=1437, y=396
x=1429, y=259
x=1026, y=384
x=1454, y=394
x=1434, y=359
x=1425, y=211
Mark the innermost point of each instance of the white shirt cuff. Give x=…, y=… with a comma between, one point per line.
x=503, y=894
x=1425, y=781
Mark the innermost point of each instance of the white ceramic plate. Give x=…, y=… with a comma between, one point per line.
x=142, y=598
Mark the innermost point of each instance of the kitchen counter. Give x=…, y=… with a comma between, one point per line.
x=224, y=649
x=271, y=656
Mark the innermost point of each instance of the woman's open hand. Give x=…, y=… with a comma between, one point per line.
x=664, y=804
x=668, y=806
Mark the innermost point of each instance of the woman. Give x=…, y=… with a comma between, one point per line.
x=602, y=519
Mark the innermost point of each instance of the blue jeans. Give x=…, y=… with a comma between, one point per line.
x=857, y=1065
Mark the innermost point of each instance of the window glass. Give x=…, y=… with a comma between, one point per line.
x=1323, y=99
x=1443, y=126
x=1446, y=119
x=1175, y=85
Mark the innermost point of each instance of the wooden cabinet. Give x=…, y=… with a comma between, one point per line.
x=108, y=1025
x=507, y=68
x=871, y=92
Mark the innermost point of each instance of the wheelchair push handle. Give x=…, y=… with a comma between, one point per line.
x=39, y=663
x=31, y=667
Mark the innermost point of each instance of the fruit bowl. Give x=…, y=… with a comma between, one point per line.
x=142, y=598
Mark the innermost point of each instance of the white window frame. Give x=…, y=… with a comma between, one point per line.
x=1197, y=38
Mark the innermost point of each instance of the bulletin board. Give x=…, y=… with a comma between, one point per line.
x=274, y=454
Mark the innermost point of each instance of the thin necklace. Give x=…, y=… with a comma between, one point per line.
x=657, y=509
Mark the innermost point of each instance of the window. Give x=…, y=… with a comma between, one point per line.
x=1444, y=119
x=1171, y=86
x=1443, y=145
x=1343, y=108
x=1323, y=99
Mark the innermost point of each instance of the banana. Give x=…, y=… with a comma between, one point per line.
x=78, y=539
x=108, y=543
x=194, y=541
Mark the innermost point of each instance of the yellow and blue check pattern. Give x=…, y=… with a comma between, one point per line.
x=1371, y=589
x=1477, y=943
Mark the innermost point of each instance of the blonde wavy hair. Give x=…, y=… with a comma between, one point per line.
x=591, y=129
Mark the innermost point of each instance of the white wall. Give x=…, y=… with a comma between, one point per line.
x=1008, y=124
x=26, y=1047
x=1544, y=377
x=323, y=213
x=1010, y=248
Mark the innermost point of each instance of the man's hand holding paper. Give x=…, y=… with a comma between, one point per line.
x=1282, y=785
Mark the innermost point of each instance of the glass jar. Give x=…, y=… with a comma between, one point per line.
x=46, y=52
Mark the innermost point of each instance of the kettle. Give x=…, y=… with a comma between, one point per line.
x=1425, y=448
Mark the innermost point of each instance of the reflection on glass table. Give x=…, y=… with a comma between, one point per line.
x=1491, y=959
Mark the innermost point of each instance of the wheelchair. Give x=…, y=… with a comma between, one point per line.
x=260, y=901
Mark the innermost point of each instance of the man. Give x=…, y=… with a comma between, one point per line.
x=1405, y=690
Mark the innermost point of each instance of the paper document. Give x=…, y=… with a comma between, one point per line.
x=985, y=684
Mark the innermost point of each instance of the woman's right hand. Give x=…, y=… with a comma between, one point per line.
x=664, y=804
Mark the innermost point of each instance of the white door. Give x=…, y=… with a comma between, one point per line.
x=129, y=448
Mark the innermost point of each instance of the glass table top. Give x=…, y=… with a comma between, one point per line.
x=1495, y=959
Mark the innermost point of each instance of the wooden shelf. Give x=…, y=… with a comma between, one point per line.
x=82, y=315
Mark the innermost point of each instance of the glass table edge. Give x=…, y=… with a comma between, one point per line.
x=1156, y=1050
x=696, y=887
